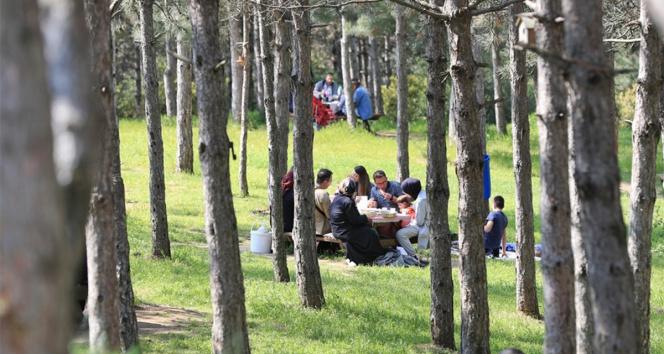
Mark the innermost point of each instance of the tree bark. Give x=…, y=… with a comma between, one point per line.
x=366, y=75
x=282, y=91
x=499, y=106
x=229, y=326
x=346, y=68
x=387, y=64
x=258, y=72
x=585, y=327
x=354, y=58
x=103, y=289
x=235, y=36
x=402, y=93
x=309, y=285
x=35, y=266
x=526, y=287
x=170, y=92
x=244, y=120
x=470, y=163
x=481, y=113
x=452, y=116
x=441, y=318
x=645, y=138
x=597, y=178
x=557, y=259
x=376, y=77
x=139, y=83
x=128, y=322
x=185, y=136
x=161, y=245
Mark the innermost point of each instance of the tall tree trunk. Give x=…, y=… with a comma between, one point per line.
x=364, y=61
x=128, y=322
x=274, y=157
x=36, y=213
x=103, y=289
x=441, y=318
x=229, y=325
x=235, y=36
x=185, y=136
x=557, y=259
x=597, y=178
x=402, y=94
x=258, y=72
x=244, y=120
x=346, y=68
x=499, y=106
x=481, y=113
x=585, y=330
x=608, y=48
x=309, y=285
x=645, y=138
x=161, y=245
x=170, y=92
x=526, y=288
x=282, y=91
x=387, y=63
x=139, y=83
x=376, y=77
x=354, y=58
x=472, y=267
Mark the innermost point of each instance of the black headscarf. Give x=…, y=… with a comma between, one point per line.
x=412, y=187
x=350, y=188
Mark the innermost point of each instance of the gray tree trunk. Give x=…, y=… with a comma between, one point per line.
x=479, y=91
x=282, y=91
x=387, y=62
x=645, y=138
x=346, y=68
x=185, y=136
x=557, y=259
x=441, y=318
x=244, y=120
x=128, y=322
x=499, y=106
x=309, y=285
x=472, y=267
x=402, y=94
x=526, y=287
x=585, y=327
x=103, y=289
x=258, y=73
x=235, y=36
x=597, y=178
x=354, y=57
x=376, y=77
x=161, y=245
x=170, y=91
x=229, y=325
x=139, y=83
x=36, y=271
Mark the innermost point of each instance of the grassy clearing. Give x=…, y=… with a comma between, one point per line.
x=368, y=309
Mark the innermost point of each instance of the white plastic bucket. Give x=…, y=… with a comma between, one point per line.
x=261, y=239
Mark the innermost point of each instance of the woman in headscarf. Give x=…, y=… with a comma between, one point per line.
x=288, y=196
x=420, y=225
x=361, y=240
x=362, y=182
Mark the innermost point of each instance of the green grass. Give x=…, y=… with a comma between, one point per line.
x=369, y=309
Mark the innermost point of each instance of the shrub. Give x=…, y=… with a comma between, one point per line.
x=625, y=101
x=417, y=98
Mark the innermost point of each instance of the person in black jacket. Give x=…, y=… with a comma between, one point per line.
x=361, y=240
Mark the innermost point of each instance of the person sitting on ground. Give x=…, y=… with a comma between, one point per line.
x=288, y=196
x=322, y=201
x=361, y=179
x=385, y=192
x=420, y=225
x=326, y=90
x=360, y=239
x=405, y=203
x=362, y=100
x=494, y=230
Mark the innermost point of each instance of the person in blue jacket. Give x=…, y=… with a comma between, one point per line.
x=363, y=107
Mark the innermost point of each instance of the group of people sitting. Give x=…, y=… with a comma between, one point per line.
x=339, y=214
x=328, y=91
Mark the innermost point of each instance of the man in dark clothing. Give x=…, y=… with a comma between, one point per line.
x=494, y=230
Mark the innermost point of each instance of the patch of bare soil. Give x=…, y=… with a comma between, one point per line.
x=159, y=319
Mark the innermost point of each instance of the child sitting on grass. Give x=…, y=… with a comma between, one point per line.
x=405, y=203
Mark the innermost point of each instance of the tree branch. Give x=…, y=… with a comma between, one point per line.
x=220, y=65
x=565, y=63
x=495, y=8
x=179, y=57
x=421, y=9
x=618, y=40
